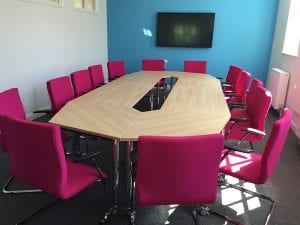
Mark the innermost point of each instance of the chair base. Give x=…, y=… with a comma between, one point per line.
x=17, y=191
x=259, y=195
x=111, y=212
x=29, y=217
x=203, y=210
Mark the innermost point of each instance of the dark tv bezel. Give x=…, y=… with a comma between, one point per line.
x=185, y=46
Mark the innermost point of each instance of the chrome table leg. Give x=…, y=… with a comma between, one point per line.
x=129, y=149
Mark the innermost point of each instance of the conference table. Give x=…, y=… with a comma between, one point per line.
x=195, y=105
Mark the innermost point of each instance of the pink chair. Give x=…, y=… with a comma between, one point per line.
x=239, y=96
x=257, y=168
x=177, y=170
x=252, y=127
x=38, y=159
x=116, y=69
x=81, y=82
x=97, y=76
x=195, y=66
x=60, y=92
x=232, y=78
x=239, y=109
x=153, y=65
x=11, y=104
x=251, y=93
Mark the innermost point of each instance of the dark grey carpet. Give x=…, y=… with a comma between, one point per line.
x=87, y=207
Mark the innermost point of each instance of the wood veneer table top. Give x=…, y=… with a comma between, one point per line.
x=196, y=105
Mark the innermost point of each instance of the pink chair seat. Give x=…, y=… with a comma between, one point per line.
x=75, y=183
x=244, y=166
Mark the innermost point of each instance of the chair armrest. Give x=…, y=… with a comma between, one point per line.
x=236, y=106
x=239, y=119
x=87, y=156
x=232, y=94
x=253, y=130
x=233, y=146
x=225, y=84
x=91, y=156
x=228, y=91
x=47, y=111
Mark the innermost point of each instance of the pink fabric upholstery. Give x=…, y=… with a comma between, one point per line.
x=153, y=65
x=38, y=159
x=259, y=109
x=241, y=88
x=251, y=94
x=258, y=168
x=10, y=104
x=81, y=82
x=250, y=100
x=79, y=177
x=194, y=66
x=115, y=69
x=233, y=76
x=178, y=170
x=60, y=91
x=256, y=112
x=97, y=76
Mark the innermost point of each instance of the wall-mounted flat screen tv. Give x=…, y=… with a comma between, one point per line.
x=185, y=29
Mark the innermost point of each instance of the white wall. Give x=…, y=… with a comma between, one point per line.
x=40, y=42
x=288, y=63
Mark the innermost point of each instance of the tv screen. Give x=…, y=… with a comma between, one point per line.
x=185, y=29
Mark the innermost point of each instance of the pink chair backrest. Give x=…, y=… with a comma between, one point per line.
x=233, y=74
x=60, y=92
x=97, y=76
x=81, y=81
x=242, y=86
x=195, y=66
x=10, y=104
x=115, y=69
x=274, y=146
x=153, y=65
x=251, y=94
x=259, y=108
x=37, y=158
x=178, y=170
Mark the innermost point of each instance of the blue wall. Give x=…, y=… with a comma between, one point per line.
x=243, y=34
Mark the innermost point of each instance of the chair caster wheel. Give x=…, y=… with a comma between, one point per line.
x=221, y=178
x=114, y=210
x=132, y=218
x=203, y=210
